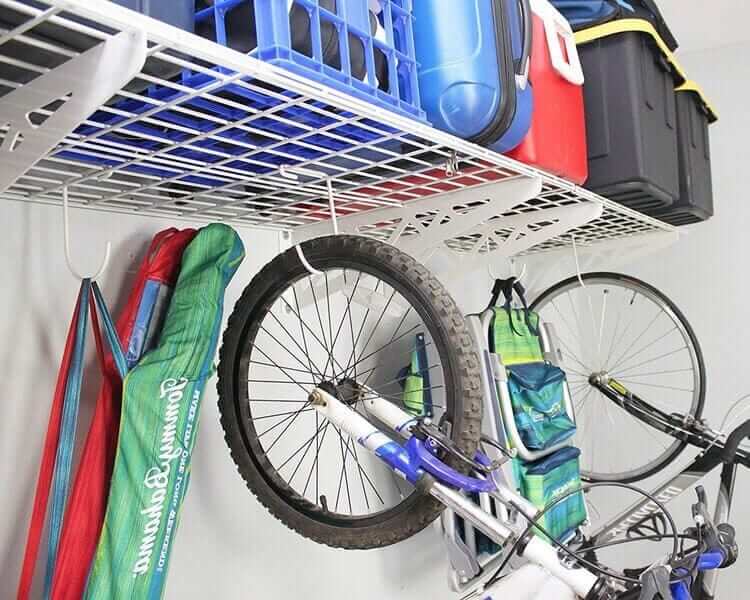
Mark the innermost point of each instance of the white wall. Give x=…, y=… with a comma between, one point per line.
x=228, y=546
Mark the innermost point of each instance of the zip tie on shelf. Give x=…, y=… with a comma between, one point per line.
x=578, y=265
x=310, y=269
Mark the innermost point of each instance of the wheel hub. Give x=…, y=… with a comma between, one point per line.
x=345, y=390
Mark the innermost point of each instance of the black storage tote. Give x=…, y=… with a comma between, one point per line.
x=694, y=115
x=587, y=13
x=631, y=115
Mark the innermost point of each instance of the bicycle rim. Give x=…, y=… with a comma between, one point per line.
x=625, y=328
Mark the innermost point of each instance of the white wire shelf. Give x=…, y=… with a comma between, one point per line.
x=170, y=155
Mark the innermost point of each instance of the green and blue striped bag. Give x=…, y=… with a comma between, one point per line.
x=548, y=480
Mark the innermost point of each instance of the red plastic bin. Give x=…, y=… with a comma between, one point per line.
x=556, y=141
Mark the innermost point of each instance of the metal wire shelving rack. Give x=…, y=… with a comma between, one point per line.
x=80, y=115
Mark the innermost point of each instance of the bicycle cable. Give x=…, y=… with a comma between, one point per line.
x=533, y=524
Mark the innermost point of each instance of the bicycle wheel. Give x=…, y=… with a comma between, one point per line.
x=350, y=329
x=620, y=326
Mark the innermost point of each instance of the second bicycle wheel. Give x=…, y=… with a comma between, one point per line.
x=350, y=326
x=624, y=328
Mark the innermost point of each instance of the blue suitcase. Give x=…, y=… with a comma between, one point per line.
x=473, y=61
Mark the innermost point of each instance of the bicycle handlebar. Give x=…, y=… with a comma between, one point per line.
x=734, y=440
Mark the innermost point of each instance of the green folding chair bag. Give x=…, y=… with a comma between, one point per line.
x=160, y=408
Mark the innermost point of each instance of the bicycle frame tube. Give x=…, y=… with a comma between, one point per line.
x=419, y=465
x=664, y=493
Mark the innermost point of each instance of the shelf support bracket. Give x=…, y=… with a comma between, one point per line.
x=420, y=227
x=62, y=99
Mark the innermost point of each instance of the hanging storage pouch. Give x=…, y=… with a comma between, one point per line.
x=537, y=392
x=547, y=481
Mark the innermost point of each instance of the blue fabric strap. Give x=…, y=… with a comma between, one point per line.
x=111, y=333
x=71, y=402
x=64, y=456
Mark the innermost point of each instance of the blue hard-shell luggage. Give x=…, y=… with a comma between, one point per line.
x=473, y=60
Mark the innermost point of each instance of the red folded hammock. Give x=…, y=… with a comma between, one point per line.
x=87, y=503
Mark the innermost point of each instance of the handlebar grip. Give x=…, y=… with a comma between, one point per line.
x=733, y=442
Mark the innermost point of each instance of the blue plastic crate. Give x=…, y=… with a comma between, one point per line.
x=300, y=124
x=340, y=43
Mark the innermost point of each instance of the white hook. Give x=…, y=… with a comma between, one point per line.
x=332, y=207
x=66, y=234
x=512, y=262
x=578, y=265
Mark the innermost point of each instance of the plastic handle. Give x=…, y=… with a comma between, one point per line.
x=557, y=28
x=528, y=29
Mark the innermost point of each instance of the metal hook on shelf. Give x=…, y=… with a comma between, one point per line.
x=511, y=262
x=66, y=237
x=293, y=173
x=578, y=264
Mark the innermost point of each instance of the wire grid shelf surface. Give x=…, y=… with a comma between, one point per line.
x=205, y=133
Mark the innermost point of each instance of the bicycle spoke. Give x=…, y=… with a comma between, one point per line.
x=648, y=362
x=343, y=319
x=381, y=366
x=634, y=342
x=286, y=367
x=320, y=319
x=293, y=419
x=388, y=344
x=601, y=327
x=284, y=347
x=362, y=472
x=302, y=329
x=314, y=466
x=377, y=323
x=307, y=444
x=361, y=479
x=344, y=476
x=575, y=332
x=351, y=323
x=578, y=322
x=654, y=385
x=330, y=324
x=306, y=326
x=275, y=400
x=268, y=357
x=359, y=334
x=281, y=382
x=284, y=420
x=649, y=345
x=283, y=414
x=667, y=372
x=294, y=341
x=614, y=337
x=652, y=433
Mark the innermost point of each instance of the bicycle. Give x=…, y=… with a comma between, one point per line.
x=282, y=339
